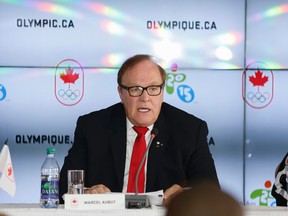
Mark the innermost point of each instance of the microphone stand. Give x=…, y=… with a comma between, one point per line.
x=136, y=200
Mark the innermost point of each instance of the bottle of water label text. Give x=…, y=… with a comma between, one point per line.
x=49, y=187
x=49, y=197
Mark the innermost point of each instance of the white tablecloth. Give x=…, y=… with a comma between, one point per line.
x=35, y=210
x=265, y=211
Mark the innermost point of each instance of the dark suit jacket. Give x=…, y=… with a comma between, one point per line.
x=178, y=154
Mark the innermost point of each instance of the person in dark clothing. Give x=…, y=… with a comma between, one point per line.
x=178, y=157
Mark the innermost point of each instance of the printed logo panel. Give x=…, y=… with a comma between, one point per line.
x=262, y=196
x=69, y=82
x=257, y=85
x=3, y=92
x=184, y=92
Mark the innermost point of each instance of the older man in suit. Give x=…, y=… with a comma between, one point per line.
x=179, y=155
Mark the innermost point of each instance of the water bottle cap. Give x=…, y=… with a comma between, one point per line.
x=51, y=150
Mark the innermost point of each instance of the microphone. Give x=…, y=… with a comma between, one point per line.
x=140, y=201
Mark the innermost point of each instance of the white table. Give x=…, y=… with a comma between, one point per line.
x=35, y=210
x=265, y=211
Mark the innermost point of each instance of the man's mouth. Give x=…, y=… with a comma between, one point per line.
x=143, y=109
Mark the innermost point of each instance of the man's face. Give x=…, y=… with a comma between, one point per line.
x=142, y=110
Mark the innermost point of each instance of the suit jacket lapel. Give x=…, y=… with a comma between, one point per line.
x=118, y=143
x=156, y=153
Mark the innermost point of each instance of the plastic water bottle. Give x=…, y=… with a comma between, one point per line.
x=50, y=181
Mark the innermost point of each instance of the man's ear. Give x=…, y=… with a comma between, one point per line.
x=119, y=89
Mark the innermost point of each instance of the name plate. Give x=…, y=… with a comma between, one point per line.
x=94, y=201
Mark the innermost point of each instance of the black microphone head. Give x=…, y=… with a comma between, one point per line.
x=154, y=132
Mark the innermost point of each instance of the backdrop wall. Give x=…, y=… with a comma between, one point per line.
x=225, y=63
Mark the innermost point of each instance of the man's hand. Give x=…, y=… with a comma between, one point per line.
x=170, y=193
x=97, y=189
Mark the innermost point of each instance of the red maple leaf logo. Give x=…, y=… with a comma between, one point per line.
x=74, y=201
x=69, y=76
x=258, y=79
x=9, y=171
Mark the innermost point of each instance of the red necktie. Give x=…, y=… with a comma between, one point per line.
x=137, y=155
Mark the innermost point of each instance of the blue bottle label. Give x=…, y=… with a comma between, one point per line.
x=49, y=189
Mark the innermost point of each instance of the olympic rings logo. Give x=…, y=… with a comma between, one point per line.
x=258, y=96
x=69, y=94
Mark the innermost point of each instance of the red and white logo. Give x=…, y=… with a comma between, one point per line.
x=69, y=82
x=257, y=85
x=9, y=172
x=74, y=202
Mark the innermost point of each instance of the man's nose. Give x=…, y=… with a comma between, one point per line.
x=145, y=96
